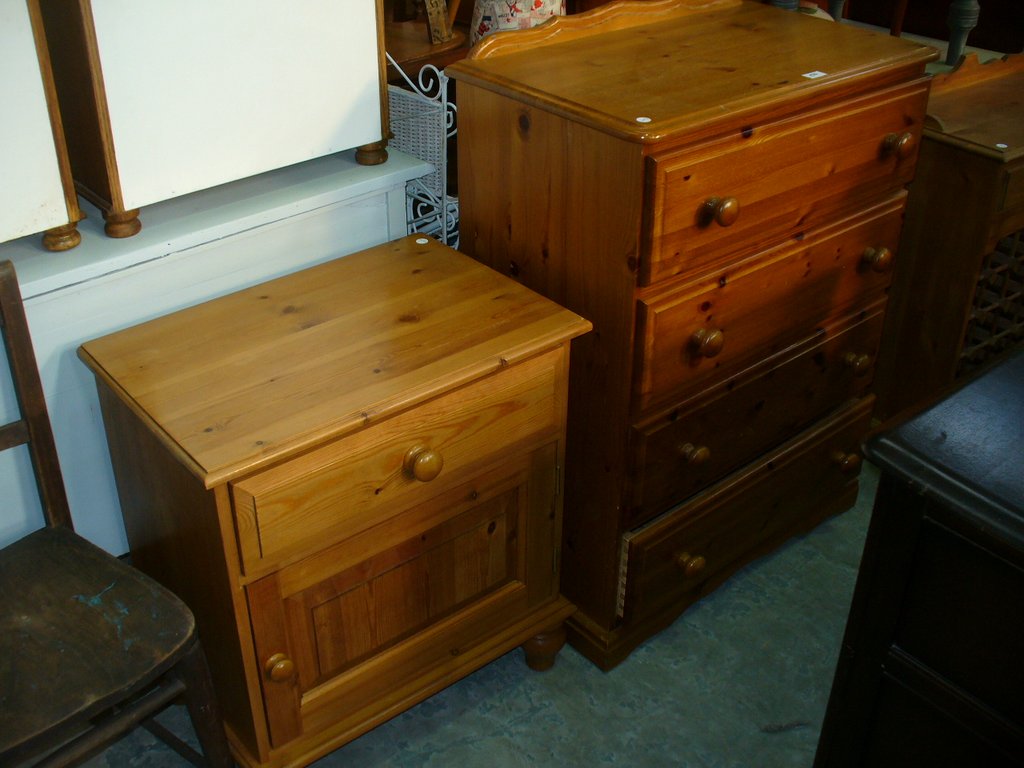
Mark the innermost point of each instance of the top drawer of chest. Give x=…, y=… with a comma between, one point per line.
x=763, y=182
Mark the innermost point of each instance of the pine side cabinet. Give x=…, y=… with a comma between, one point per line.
x=353, y=476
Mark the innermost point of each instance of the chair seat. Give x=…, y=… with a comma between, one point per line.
x=54, y=587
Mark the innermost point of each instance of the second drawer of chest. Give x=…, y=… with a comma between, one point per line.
x=687, y=552
x=688, y=448
x=711, y=328
x=352, y=484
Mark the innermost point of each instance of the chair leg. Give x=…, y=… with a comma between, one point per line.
x=963, y=17
x=203, y=709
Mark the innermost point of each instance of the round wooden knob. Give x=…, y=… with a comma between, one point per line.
x=899, y=144
x=422, y=463
x=878, y=259
x=848, y=463
x=860, y=363
x=707, y=342
x=694, y=454
x=722, y=210
x=279, y=668
x=690, y=565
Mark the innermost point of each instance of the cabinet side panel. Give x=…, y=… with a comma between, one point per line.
x=557, y=206
x=936, y=271
x=31, y=196
x=175, y=537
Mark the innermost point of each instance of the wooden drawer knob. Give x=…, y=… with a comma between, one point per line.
x=690, y=565
x=878, y=259
x=279, y=668
x=422, y=463
x=694, y=454
x=707, y=342
x=848, y=463
x=722, y=210
x=899, y=144
x=860, y=364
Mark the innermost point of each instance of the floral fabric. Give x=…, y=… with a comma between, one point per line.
x=491, y=16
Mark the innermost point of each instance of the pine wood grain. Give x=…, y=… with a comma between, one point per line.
x=332, y=589
x=251, y=378
x=610, y=133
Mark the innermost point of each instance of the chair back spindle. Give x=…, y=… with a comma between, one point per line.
x=32, y=428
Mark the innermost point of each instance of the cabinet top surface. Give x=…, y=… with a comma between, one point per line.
x=245, y=380
x=981, y=106
x=967, y=449
x=682, y=69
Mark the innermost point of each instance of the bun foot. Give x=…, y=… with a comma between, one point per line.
x=541, y=650
x=372, y=154
x=122, y=223
x=62, y=238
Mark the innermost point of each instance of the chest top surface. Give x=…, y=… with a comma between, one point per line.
x=256, y=376
x=981, y=106
x=679, y=68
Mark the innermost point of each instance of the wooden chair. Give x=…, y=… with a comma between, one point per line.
x=89, y=647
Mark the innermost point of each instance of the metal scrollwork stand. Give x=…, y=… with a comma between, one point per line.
x=422, y=121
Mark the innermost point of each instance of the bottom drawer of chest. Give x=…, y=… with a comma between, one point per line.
x=684, y=554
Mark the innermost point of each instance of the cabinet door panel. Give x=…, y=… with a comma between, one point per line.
x=454, y=570
x=763, y=306
x=784, y=177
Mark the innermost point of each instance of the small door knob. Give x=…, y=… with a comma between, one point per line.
x=422, y=463
x=279, y=668
x=694, y=454
x=878, y=259
x=859, y=363
x=690, y=565
x=848, y=463
x=899, y=144
x=722, y=210
x=707, y=342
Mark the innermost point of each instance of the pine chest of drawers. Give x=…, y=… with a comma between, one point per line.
x=352, y=474
x=719, y=186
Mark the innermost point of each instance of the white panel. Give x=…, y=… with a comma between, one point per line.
x=201, y=93
x=31, y=195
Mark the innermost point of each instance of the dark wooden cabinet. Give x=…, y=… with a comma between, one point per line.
x=930, y=668
x=727, y=220
x=958, y=285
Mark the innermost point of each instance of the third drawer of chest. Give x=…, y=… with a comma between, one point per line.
x=706, y=329
x=687, y=448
